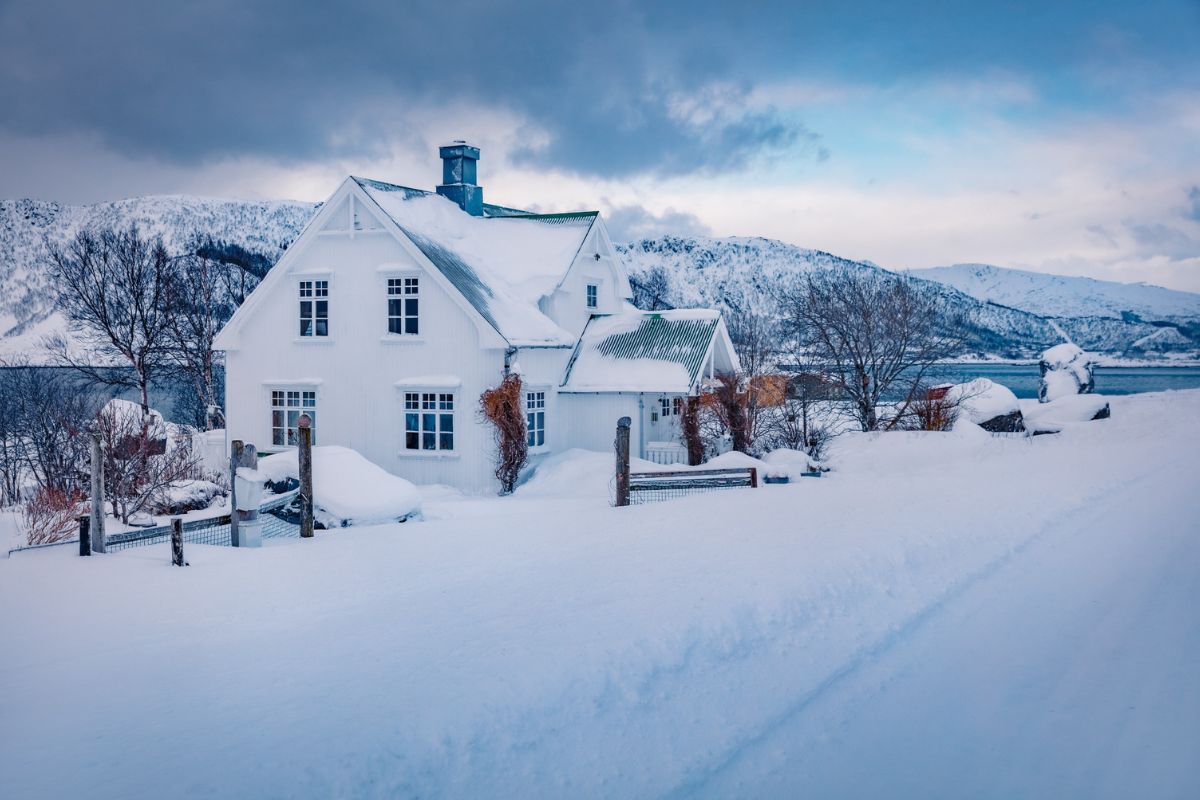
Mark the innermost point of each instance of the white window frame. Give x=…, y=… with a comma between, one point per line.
x=423, y=402
x=664, y=407
x=318, y=290
x=591, y=295
x=535, y=395
x=286, y=401
x=398, y=289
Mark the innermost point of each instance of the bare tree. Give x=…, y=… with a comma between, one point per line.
x=112, y=288
x=43, y=441
x=876, y=335
x=200, y=304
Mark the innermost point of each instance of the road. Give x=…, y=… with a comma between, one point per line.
x=1072, y=669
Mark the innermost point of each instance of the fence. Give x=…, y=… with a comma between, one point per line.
x=213, y=530
x=647, y=487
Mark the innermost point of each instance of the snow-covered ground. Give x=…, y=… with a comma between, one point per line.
x=943, y=615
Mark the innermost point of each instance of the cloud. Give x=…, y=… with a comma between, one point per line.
x=629, y=222
x=1192, y=212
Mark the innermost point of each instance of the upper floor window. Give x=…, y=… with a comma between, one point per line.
x=403, y=305
x=428, y=421
x=314, y=308
x=593, y=295
x=286, y=407
x=664, y=406
x=535, y=419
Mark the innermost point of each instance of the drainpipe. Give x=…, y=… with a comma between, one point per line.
x=509, y=353
x=641, y=426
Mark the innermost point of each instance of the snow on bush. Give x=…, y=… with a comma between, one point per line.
x=347, y=488
x=1066, y=370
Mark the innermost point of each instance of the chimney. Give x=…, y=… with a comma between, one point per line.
x=458, y=176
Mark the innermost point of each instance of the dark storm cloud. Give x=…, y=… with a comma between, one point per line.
x=193, y=82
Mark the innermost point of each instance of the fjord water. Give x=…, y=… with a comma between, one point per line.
x=1023, y=379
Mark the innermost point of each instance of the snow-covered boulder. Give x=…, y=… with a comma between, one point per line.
x=987, y=404
x=1066, y=370
x=792, y=463
x=347, y=488
x=1072, y=409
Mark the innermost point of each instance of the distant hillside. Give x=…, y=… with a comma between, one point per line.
x=1062, y=296
x=263, y=229
x=752, y=273
x=1018, y=313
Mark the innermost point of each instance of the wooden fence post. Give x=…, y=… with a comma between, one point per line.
x=235, y=461
x=85, y=539
x=97, y=511
x=754, y=477
x=177, y=542
x=248, y=458
x=304, y=428
x=622, y=446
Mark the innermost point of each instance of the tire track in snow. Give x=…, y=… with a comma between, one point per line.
x=876, y=652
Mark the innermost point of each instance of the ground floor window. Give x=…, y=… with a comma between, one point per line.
x=286, y=407
x=535, y=419
x=428, y=421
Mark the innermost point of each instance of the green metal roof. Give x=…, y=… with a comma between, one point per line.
x=681, y=337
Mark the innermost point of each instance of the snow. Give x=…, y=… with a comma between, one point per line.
x=943, y=615
x=982, y=399
x=518, y=261
x=347, y=488
x=1066, y=410
x=1062, y=354
x=431, y=381
x=592, y=370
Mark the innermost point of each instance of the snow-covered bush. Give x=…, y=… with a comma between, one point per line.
x=1066, y=370
x=144, y=458
x=347, y=488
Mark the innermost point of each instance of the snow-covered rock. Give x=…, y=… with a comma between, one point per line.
x=347, y=488
x=987, y=404
x=1068, y=410
x=1066, y=370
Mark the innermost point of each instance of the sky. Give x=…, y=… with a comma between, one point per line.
x=1053, y=136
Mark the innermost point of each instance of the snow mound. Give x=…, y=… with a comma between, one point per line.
x=981, y=400
x=347, y=488
x=578, y=473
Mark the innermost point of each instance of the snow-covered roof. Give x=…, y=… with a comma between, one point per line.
x=660, y=351
x=503, y=263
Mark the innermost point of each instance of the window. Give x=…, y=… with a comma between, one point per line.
x=286, y=408
x=593, y=294
x=403, y=299
x=535, y=418
x=677, y=406
x=664, y=404
x=314, y=308
x=428, y=421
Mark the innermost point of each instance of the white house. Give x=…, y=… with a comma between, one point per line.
x=396, y=308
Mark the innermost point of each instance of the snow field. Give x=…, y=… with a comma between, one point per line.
x=545, y=645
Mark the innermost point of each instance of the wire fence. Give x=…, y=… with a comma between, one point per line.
x=650, y=487
x=275, y=512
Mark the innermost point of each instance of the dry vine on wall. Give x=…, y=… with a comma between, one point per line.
x=502, y=406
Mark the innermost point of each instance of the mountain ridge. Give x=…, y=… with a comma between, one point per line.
x=730, y=272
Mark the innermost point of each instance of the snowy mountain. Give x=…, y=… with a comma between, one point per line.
x=1018, y=314
x=1062, y=296
x=751, y=273
x=26, y=309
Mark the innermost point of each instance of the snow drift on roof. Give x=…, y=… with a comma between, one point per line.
x=503, y=264
x=642, y=352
